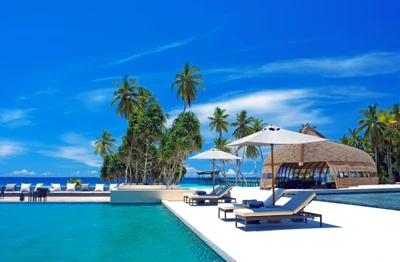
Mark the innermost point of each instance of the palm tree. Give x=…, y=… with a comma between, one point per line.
x=396, y=112
x=372, y=127
x=355, y=139
x=144, y=98
x=345, y=140
x=258, y=125
x=187, y=81
x=221, y=143
x=392, y=137
x=218, y=121
x=388, y=136
x=243, y=124
x=244, y=128
x=127, y=97
x=104, y=144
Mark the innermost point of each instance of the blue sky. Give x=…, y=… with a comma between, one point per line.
x=287, y=62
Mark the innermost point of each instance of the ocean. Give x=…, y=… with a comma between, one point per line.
x=47, y=181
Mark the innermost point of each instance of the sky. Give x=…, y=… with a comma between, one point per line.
x=286, y=62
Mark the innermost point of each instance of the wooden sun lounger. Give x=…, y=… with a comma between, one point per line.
x=293, y=209
x=216, y=190
x=221, y=195
x=228, y=208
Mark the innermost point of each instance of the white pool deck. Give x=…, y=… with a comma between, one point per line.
x=349, y=233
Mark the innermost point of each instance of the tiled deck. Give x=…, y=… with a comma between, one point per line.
x=349, y=233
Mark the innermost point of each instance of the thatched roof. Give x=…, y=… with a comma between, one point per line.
x=395, y=125
x=325, y=151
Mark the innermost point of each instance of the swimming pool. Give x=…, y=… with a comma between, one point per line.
x=389, y=200
x=97, y=232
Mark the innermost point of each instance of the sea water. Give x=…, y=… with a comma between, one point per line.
x=386, y=200
x=96, y=232
x=186, y=182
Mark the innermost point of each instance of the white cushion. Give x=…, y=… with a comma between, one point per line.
x=70, y=187
x=56, y=187
x=10, y=187
x=38, y=185
x=113, y=187
x=25, y=187
x=99, y=187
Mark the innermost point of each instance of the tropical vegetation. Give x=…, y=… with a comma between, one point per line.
x=152, y=152
x=374, y=135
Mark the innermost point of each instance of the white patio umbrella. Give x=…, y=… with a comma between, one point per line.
x=271, y=136
x=212, y=155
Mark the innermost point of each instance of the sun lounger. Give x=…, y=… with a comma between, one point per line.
x=216, y=190
x=3, y=188
x=293, y=209
x=228, y=208
x=40, y=194
x=221, y=195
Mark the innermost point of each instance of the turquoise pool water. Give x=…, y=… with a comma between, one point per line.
x=97, y=232
x=380, y=200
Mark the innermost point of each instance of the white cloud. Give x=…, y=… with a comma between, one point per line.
x=93, y=172
x=107, y=78
x=286, y=108
x=8, y=148
x=363, y=65
x=154, y=51
x=76, y=153
x=190, y=169
x=48, y=91
x=73, y=138
x=24, y=172
x=79, y=149
x=77, y=172
x=15, y=117
x=96, y=97
x=231, y=172
x=46, y=174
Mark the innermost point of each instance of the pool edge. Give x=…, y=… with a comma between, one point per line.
x=211, y=244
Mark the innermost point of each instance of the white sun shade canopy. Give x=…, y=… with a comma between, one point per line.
x=215, y=154
x=273, y=135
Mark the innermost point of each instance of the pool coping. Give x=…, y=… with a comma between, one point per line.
x=211, y=244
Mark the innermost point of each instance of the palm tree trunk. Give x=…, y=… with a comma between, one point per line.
x=255, y=168
x=129, y=160
x=126, y=175
x=130, y=175
x=180, y=173
x=145, y=163
x=261, y=154
x=392, y=179
x=136, y=172
x=376, y=158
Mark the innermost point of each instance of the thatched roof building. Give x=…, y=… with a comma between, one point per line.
x=321, y=164
x=395, y=125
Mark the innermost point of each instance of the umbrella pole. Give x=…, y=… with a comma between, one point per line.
x=213, y=174
x=273, y=174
